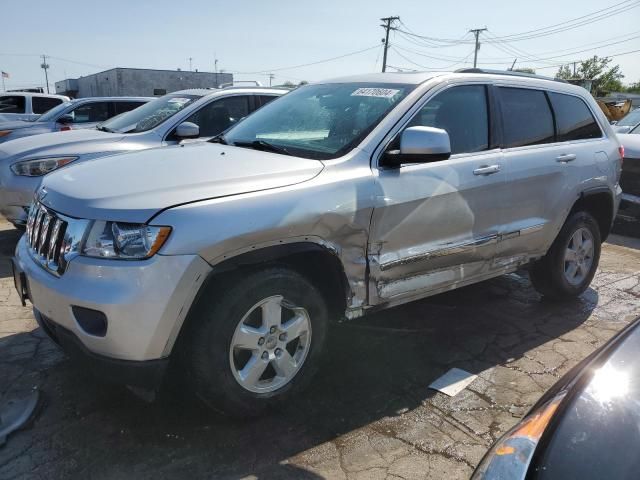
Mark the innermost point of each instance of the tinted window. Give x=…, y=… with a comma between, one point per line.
x=91, y=112
x=12, y=104
x=44, y=104
x=121, y=107
x=463, y=113
x=264, y=99
x=574, y=120
x=219, y=115
x=527, y=117
x=631, y=119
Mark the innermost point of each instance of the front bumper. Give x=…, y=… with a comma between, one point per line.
x=147, y=374
x=145, y=302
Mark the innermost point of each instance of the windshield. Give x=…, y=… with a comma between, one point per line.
x=52, y=114
x=319, y=121
x=149, y=115
x=631, y=119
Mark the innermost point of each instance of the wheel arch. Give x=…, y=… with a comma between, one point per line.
x=318, y=262
x=598, y=202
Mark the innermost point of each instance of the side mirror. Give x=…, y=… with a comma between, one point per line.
x=187, y=130
x=419, y=145
x=65, y=119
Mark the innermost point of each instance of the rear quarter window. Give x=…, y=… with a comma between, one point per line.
x=574, y=120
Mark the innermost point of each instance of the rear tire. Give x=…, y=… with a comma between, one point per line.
x=254, y=343
x=570, y=264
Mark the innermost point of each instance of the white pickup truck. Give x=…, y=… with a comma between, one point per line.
x=27, y=105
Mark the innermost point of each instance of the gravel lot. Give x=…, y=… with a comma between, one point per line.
x=368, y=416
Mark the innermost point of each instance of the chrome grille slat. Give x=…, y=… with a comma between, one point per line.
x=46, y=232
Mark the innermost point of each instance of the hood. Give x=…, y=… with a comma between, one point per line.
x=16, y=125
x=133, y=187
x=631, y=144
x=73, y=142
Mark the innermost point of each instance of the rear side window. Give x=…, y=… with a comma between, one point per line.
x=91, y=112
x=527, y=117
x=574, y=120
x=41, y=105
x=121, y=107
x=217, y=116
x=462, y=112
x=12, y=104
x=264, y=99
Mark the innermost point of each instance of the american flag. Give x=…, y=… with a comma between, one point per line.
x=5, y=75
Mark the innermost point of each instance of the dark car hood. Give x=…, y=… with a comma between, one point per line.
x=132, y=187
x=597, y=428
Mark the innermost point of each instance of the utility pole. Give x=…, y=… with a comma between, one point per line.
x=574, y=69
x=476, y=32
x=388, y=25
x=190, y=64
x=45, y=66
x=271, y=77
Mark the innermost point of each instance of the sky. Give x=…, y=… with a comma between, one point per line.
x=260, y=37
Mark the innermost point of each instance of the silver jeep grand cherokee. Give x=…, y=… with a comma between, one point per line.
x=232, y=257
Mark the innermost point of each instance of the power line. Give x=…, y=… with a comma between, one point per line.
x=308, y=64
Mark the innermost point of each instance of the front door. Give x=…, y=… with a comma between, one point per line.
x=435, y=225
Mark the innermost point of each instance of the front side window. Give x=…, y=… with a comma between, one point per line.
x=44, y=104
x=463, y=113
x=574, y=120
x=91, y=112
x=54, y=113
x=126, y=106
x=150, y=115
x=319, y=121
x=527, y=118
x=219, y=115
x=12, y=104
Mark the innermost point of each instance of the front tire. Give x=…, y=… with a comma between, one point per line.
x=570, y=264
x=256, y=342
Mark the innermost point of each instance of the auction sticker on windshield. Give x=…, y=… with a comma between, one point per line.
x=375, y=92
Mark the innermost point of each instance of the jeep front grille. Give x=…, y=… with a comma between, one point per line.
x=46, y=238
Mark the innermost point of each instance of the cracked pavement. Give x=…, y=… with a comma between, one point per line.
x=368, y=415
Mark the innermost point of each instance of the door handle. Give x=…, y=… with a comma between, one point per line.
x=566, y=158
x=487, y=170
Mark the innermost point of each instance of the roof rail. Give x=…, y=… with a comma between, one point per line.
x=511, y=73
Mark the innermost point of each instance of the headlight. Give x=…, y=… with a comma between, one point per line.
x=124, y=240
x=510, y=456
x=40, y=166
x=4, y=133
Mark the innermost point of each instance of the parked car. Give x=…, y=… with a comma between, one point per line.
x=338, y=199
x=187, y=114
x=75, y=114
x=27, y=105
x=627, y=123
x=630, y=178
x=585, y=426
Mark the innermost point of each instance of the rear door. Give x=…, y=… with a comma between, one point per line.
x=540, y=172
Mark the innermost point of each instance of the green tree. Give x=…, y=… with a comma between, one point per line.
x=633, y=88
x=564, y=72
x=606, y=77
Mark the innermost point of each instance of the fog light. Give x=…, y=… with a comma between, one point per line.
x=91, y=321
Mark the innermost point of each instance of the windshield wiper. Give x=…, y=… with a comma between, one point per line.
x=264, y=146
x=218, y=139
x=104, y=129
